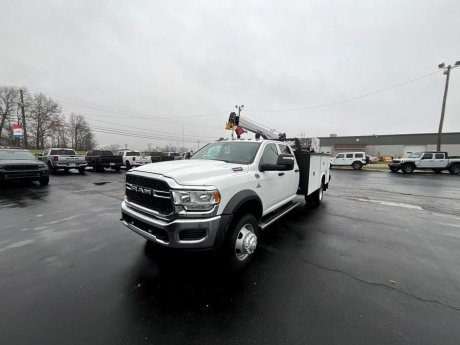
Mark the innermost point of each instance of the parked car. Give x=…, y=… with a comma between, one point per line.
x=19, y=164
x=62, y=158
x=132, y=158
x=372, y=159
x=101, y=159
x=354, y=159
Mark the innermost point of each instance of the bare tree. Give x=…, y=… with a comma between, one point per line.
x=42, y=112
x=59, y=131
x=113, y=147
x=9, y=97
x=80, y=133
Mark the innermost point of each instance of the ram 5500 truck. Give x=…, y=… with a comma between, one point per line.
x=223, y=196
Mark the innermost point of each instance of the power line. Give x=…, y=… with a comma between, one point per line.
x=143, y=129
x=132, y=113
x=348, y=99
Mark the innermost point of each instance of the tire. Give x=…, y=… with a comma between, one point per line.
x=407, y=168
x=51, y=169
x=81, y=171
x=394, y=170
x=437, y=171
x=44, y=181
x=455, y=169
x=117, y=169
x=128, y=165
x=241, y=242
x=316, y=198
x=357, y=165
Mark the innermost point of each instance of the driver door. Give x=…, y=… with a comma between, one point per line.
x=272, y=188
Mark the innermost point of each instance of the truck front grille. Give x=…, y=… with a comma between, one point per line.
x=22, y=167
x=150, y=193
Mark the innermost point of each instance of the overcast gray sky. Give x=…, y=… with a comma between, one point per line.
x=153, y=65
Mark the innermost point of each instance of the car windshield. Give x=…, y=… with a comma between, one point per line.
x=230, y=152
x=415, y=155
x=63, y=152
x=16, y=155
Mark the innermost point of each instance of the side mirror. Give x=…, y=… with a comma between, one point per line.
x=283, y=163
x=287, y=160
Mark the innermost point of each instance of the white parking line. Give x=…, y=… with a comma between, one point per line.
x=389, y=203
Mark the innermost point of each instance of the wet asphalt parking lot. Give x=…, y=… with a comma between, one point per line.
x=377, y=263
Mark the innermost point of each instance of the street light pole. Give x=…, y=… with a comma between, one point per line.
x=446, y=88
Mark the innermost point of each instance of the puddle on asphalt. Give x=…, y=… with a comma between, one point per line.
x=101, y=183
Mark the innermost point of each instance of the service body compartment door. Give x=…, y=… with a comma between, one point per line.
x=313, y=166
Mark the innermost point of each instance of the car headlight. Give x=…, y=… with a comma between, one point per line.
x=196, y=200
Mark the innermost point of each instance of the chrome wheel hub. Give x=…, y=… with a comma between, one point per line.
x=246, y=242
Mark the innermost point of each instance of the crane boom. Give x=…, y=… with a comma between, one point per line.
x=235, y=121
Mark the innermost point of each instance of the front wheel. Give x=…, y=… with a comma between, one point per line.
x=242, y=242
x=128, y=165
x=454, y=169
x=408, y=168
x=357, y=165
x=44, y=181
x=81, y=171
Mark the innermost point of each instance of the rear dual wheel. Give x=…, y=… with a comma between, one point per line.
x=316, y=198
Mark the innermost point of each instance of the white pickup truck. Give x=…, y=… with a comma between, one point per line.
x=63, y=159
x=133, y=158
x=432, y=160
x=223, y=196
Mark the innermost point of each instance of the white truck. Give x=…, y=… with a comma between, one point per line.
x=431, y=160
x=63, y=159
x=133, y=158
x=225, y=194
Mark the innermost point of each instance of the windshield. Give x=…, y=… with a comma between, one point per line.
x=63, y=152
x=15, y=155
x=415, y=155
x=230, y=152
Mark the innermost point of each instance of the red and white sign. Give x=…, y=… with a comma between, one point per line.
x=17, y=131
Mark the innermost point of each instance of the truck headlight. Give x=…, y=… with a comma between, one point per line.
x=196, y=200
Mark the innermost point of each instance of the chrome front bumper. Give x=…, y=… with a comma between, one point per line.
x=149, y=228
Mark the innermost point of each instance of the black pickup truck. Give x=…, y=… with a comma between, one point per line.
x=101, y=159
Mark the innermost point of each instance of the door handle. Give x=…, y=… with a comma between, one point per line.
x=280, y=174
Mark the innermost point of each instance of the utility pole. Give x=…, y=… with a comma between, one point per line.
x=24, y=128
x=446, y=88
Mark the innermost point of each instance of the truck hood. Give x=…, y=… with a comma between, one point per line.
x=195, y=172
x=21, y=162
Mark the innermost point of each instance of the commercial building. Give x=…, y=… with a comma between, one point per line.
x=396, y=145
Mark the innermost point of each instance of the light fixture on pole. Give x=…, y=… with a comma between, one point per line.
x=441, y=122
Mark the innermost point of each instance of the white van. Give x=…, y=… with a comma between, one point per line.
x=354, y=159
